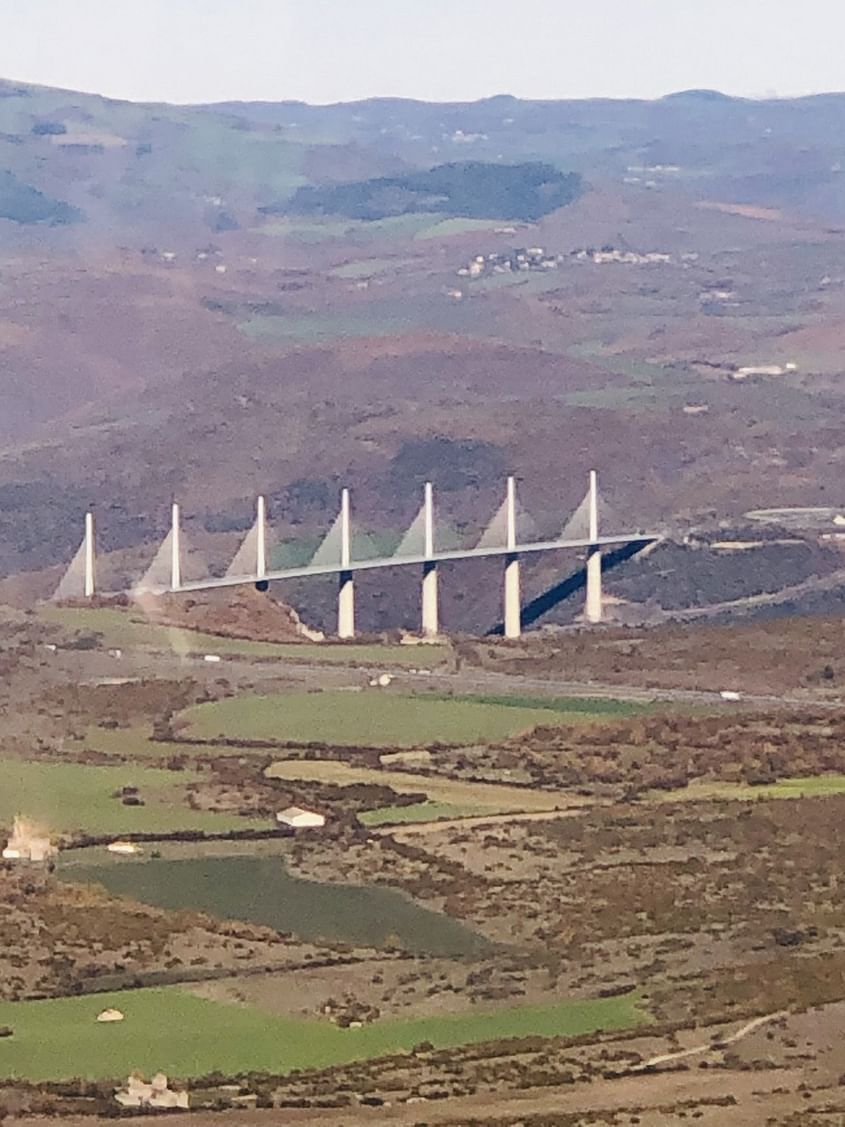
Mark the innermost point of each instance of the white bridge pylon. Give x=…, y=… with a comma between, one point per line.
x=174, y=564
x=418, y=542
x=252, y=553
x=510, y=535
x=79, y=580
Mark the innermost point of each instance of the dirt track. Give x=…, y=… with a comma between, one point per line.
x=696, y=1050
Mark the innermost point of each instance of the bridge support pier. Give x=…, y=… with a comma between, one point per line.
x=346, y=589
x=430, y=611
x=346, y=606
x=89, y=580
x=513, y=614
x=175, y=549
x=593, y=606
x=260, y=538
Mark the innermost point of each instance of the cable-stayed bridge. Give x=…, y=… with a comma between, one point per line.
x=510, y=535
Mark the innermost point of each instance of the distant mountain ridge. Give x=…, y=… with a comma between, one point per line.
x=129, y=171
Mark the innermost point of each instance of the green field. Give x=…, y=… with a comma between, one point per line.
x=457, y=226
x=367, y=267
x=468, y=797
x=574, y=707
x=316, y=328
x=813, y=786
x=369, y=718
x=360, y=231
x=132, y=743
x=137, y=744
x=259, y=889
x=130, y=629
x=190, y=1036
x=64, y=797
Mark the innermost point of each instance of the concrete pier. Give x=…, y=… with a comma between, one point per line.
x=593, y=606
x=346, y=606
x=89, y=579
x=261, y=538
x=175, y=549
x=346, y=584
x=513, y=615
x=430, y=607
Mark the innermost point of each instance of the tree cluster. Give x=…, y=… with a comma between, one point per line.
x=474, y=189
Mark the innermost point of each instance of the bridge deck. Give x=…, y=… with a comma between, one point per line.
x=417, y=560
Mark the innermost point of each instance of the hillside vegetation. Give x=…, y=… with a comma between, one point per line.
x=473, y=189
x=24, y=204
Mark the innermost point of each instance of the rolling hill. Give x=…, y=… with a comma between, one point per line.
x=190, y=304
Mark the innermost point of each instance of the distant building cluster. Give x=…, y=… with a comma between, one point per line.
x=609, y=254
x=525, y=259
x=521, y=259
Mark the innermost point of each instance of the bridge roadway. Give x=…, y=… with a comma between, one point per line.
x=339, y=568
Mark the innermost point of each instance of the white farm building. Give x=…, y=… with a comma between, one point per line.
x=156, y=1094
x=296, y=818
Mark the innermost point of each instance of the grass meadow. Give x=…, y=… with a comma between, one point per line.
x=67, y=797
x=386, y=719
x=189, y=1036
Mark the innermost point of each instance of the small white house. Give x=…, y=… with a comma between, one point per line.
x=123, y=848
x=296, y=818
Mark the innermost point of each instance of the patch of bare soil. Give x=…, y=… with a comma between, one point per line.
x=747, y=211
x=237, y=612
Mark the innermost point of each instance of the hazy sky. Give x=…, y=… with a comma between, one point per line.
x=336, y=50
